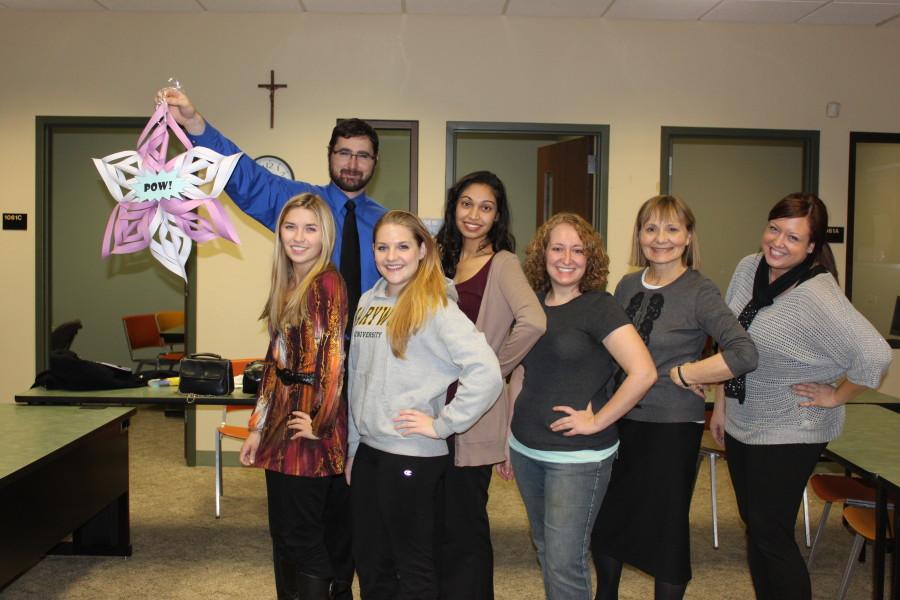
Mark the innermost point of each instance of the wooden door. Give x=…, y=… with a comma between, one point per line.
x=565, y=179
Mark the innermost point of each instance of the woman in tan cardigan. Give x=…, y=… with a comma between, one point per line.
x=477, y=251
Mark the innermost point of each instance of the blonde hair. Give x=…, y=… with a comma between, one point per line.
x=286, y=304
x=596, y=268
x=675, y=210
x=424, y=294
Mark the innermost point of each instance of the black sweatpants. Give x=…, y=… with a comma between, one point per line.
x=466, y=557
x=394, y=502
x=768, y=483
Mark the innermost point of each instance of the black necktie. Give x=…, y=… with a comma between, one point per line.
x=350, y=268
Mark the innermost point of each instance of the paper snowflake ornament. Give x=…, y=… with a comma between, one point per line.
x=157, y=201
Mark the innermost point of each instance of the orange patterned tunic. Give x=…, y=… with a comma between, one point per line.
x=315, y=347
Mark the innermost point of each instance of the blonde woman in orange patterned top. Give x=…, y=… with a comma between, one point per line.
x=298, y=431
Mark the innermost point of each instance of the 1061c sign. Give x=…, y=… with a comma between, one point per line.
x=15, y=221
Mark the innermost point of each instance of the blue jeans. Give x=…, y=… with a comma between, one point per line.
x=562, y=501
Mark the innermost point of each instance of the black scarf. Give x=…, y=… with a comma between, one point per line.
x=764, y=293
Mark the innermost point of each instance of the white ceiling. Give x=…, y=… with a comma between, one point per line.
x=807, y=12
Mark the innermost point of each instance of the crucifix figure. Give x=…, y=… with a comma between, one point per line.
x=272, y=86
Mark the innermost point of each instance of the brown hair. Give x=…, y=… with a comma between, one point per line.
x=675, y=210
x=424, y=293
x=802, y=204
x=596, y=269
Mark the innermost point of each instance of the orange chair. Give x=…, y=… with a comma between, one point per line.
x=861, y=521
x=841, y=489
x=237, y=432
x=167, y=321
x=170, y=319
x=142, y=331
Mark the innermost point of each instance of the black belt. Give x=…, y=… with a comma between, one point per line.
x=289, y=377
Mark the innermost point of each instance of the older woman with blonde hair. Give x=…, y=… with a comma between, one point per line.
x=563, y=437
x=675, y=310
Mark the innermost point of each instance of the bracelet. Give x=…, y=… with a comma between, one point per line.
x=681, y=376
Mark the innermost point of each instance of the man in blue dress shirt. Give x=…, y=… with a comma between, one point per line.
x=352, y=157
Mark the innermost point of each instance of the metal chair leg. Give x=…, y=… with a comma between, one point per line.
x=806, y=518
x=820, y=529
x=858, y=543
x=714, y=500
x=218, y=474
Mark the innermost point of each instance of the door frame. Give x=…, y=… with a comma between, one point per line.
x=601, y=164
x=858, y=137
x=45, y=128
x=808, y=137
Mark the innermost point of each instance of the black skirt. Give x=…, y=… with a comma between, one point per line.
x=644, y=520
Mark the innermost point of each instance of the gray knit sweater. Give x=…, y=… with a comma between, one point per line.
x=810, y=334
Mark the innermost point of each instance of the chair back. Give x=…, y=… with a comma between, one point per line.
x=169, y=319
x=141, y=331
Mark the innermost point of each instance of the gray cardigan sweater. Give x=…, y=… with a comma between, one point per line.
x=810, y=334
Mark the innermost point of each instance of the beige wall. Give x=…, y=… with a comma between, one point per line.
x=634, y=76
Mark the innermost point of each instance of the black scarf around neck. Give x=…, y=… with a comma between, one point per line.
x=764, y=294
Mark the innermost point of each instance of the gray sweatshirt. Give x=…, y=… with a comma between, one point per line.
x=446, y=348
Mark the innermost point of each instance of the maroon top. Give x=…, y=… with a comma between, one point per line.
x=470, y=293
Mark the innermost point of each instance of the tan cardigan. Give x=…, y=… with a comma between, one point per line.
x=512, y=320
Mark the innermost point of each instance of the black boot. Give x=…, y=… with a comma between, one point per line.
x=286, y=580
x=341, y=590
x=311, y=587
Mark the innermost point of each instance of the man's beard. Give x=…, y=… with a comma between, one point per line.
x=346, y=185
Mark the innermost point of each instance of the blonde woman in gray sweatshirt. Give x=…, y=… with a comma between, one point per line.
x=410, y=342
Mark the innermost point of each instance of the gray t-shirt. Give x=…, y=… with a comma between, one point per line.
x=674, y=321
x=568, y=366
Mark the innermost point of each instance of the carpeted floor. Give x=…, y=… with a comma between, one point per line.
x=182, y=552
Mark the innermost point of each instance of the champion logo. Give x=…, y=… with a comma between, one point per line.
x=407, y=473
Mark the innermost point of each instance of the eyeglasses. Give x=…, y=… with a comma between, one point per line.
x=346, y=156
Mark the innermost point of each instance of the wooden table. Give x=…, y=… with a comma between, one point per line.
x=870, y=447
x=63, y=470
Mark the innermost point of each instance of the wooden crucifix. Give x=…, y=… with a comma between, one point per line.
x=272, y=86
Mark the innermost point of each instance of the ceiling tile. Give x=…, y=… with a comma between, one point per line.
x=687, y=10
x=263, y=6
x=354, y=6
x=152, y=5
x=455, y=7
x=52, y=5
x=557, y=8
x=852, y=13
x=762, y=11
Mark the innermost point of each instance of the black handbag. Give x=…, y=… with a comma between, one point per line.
x=205, y=374
x=253, y=376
